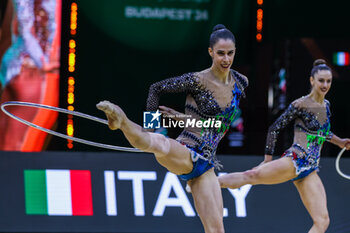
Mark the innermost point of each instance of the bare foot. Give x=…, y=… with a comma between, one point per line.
x=114, y=113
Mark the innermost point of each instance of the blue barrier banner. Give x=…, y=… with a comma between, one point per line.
x=127, y=192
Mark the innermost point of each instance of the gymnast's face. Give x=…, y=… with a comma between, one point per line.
x=222, y=53
x=321, y=82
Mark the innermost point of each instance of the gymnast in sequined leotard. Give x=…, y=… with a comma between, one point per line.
x=299, y=163
x=207, y=99
x=311, y=130
x=213, y=93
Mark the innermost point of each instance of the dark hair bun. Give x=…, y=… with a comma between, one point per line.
x=218, y=27
x=320, y=62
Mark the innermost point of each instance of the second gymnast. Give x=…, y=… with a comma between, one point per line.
x=300, y=162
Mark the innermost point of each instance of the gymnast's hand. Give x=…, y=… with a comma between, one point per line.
x=346, y=143
x=171, y=113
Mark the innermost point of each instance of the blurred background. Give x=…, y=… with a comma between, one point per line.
x=73, y=54
x=114, y=50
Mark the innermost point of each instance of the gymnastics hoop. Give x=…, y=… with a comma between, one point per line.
x=75, y=113
x=337, y=165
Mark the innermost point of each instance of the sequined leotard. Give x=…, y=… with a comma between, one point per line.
x=207, y=98
x=311, y=129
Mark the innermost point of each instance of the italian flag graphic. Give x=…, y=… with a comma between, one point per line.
x=58, y=192
x=341, y=58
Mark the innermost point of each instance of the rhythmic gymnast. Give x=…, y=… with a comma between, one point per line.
x=211, y=93
x=29, y=70
x=300, y=162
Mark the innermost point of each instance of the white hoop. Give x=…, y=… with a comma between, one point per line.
x=337, y=164
x=75, y=113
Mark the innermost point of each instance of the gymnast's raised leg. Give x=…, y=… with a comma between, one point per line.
x=177, y=159
x=168, y=152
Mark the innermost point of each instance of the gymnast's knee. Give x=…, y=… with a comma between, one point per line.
x=322, y=221
x=159, y=144
x=252, y=176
